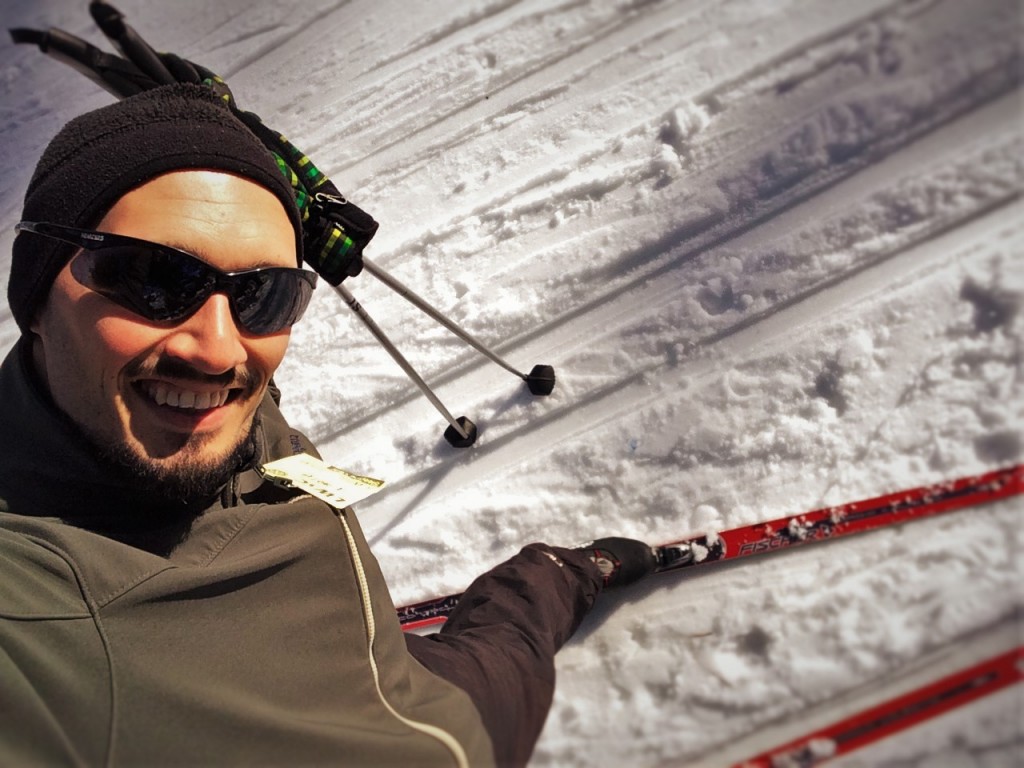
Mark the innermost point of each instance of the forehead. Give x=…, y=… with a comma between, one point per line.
x=231, y=222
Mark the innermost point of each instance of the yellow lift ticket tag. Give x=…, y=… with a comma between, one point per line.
x=335, y=486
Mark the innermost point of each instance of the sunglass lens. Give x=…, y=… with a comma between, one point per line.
x=159, y=285
x=269, y=300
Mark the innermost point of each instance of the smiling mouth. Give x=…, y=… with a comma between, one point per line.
x=184, y=399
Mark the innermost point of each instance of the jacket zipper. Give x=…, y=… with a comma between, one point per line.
x=441, y=735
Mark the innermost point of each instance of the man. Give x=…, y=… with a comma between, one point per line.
x=160, y=601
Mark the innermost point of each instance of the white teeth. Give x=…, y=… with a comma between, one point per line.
x=162, y=394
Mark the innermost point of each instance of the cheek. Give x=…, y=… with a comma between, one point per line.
x=100, y=333
x=267, y=352
x=118, y=340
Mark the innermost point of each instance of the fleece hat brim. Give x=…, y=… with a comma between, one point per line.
x=102, y=155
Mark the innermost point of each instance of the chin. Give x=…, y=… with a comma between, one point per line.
x=189, y=470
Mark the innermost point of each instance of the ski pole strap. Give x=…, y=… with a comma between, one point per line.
x=334, y=230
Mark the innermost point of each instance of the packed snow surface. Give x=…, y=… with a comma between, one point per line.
x=775, y=252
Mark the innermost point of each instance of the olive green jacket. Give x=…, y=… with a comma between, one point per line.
x=137, y=632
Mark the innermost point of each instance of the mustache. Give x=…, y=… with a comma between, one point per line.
x=179, y=370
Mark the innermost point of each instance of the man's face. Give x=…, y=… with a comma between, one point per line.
x=173, y=402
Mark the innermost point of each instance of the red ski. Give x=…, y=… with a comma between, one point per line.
x=805, y=528
x=895, y=715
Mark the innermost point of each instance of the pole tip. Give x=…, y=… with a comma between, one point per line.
x=541, y=380
x=460, y=440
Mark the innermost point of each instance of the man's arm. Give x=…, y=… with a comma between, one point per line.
x=500, y=642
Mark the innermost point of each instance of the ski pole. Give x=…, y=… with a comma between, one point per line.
x=462, y=432
x=540, y=380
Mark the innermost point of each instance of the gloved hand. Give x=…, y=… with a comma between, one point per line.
x=621, y=561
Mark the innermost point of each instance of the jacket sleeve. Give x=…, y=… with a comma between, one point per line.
x=500, y=642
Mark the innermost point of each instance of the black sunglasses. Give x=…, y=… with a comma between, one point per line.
x=165, y=284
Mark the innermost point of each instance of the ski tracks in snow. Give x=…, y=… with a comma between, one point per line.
x=715, y=276
x=687, y=230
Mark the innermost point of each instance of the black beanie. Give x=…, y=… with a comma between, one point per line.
x=100, y=156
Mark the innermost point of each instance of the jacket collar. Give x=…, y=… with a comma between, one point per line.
x=49, y=469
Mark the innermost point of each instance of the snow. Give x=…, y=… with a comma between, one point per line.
x=774, y=251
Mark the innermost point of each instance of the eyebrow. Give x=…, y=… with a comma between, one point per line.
x=204, y=256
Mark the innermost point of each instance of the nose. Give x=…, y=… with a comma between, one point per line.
x=209, y=340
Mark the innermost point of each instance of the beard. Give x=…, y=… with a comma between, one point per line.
x=185, y=472
x=189, y=477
